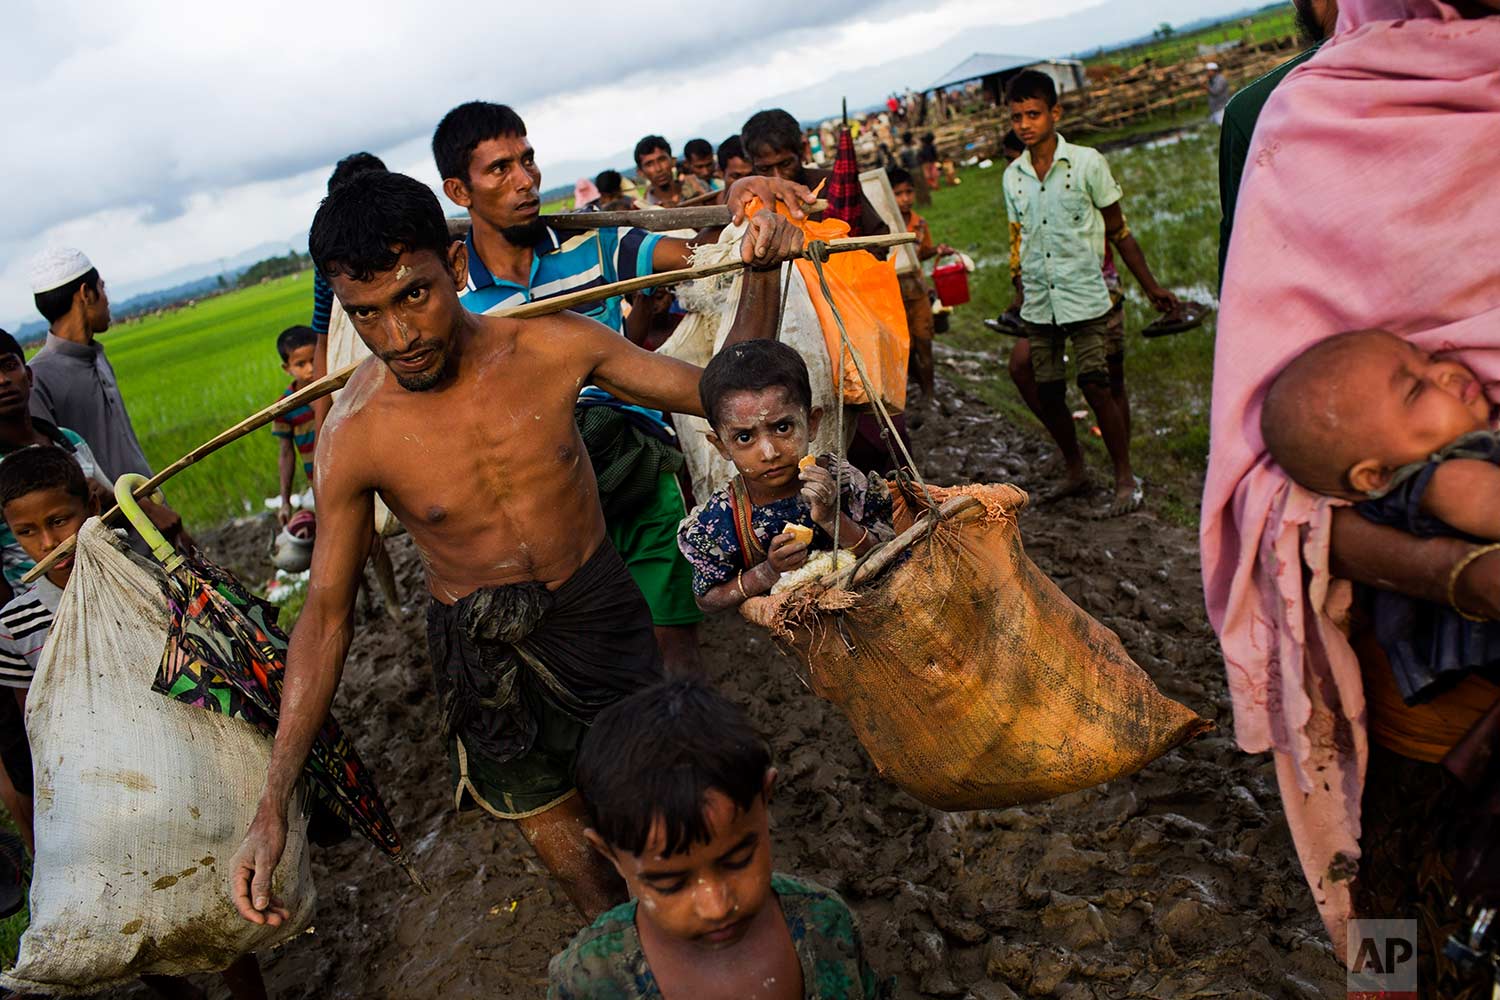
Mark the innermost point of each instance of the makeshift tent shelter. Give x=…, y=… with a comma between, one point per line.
x=993, y=71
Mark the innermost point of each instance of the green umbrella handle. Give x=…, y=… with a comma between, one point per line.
x=125, y=488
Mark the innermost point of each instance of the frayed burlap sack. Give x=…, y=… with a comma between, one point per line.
x=141, y=801
x=972, y=681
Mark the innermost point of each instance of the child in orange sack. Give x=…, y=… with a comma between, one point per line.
x=758, y=399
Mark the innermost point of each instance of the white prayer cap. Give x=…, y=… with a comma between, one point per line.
x=55, y=267
x=1213, y=65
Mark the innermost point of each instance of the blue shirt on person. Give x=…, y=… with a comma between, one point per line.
x=566, y=262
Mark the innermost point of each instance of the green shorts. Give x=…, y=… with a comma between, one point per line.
x=523, y=786
x=1114, y=337
x=648, y=544
x=1091, y=346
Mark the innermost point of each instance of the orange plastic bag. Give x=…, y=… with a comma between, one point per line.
x=868, y=296
x=971, y=680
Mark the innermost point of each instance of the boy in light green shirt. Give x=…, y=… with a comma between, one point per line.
x=1063, y=204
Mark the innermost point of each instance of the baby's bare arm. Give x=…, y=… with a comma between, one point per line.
x=1463, y=494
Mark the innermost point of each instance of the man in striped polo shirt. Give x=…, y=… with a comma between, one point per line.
x=489, y=168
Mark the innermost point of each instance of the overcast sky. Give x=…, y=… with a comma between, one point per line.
x=155, y=136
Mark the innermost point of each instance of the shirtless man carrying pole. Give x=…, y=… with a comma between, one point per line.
x=463, y=424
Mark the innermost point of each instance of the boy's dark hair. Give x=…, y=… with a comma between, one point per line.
x=366, y=225
x=9, y=345
x=697, y=148
x=464, y=128
x=1031, y=84
x=655, y=755
x=898, y=176
x=54, y=303
x=41, y=467
x=773, y=130
x=1013, y=142
x=352, y=166
x=751, y=366
x=293, y=337
x=907, y=138
x=609, y=183
x=651, y=144
x=731, y=149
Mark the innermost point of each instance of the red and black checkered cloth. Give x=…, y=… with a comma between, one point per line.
x=844, y=193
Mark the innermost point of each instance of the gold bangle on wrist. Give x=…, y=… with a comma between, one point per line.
x=740, y=582
x=1458, y=570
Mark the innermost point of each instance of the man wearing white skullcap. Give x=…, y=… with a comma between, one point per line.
x=1218, y=93
x=73, y=382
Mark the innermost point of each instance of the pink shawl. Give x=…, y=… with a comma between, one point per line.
x=1371, y=198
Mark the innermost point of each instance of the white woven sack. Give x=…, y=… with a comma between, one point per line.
x=712, y=303
x=141, y=801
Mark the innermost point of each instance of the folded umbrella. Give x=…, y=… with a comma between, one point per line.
x=225, y=654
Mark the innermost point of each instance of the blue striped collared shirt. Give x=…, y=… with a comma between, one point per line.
x=566, y=262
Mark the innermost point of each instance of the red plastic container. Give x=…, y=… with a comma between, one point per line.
x=952, y=281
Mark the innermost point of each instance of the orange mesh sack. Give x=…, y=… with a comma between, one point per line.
x=971, y=680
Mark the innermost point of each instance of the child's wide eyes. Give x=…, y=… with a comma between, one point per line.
x=785, y=427
x=742, y=438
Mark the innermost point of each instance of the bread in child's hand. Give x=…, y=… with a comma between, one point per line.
x=806, y=461
x=801, y=532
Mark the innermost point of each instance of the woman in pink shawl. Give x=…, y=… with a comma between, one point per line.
x=1371, y=198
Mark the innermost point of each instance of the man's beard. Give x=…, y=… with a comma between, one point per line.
x=1308, y=25
x=423, y=381
x=526, y=234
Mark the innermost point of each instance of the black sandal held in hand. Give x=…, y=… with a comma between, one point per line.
x=1188, y=316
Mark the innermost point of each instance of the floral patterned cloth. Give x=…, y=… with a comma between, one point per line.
x=605, y=961
x=707, y=537
x=225, y=654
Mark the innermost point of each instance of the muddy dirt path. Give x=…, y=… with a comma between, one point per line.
x=1177, y=882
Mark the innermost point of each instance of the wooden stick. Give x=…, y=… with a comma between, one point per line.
x=884, y=554
x=657, y=220
x=335, y=381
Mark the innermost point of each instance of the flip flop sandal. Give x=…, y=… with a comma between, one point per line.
x=1189, y=317
x=1007, y=323
x=1119, y=508
x=12, y=874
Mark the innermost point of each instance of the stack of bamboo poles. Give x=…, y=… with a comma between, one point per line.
x=1119, y=98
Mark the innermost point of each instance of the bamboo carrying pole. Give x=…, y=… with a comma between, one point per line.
x=658, y=220
x=335, y=381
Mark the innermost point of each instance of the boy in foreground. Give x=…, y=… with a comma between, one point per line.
x=45, y=499
x=783, y=504
x=296, y=430
x=1063, y=204
x=678, y=786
